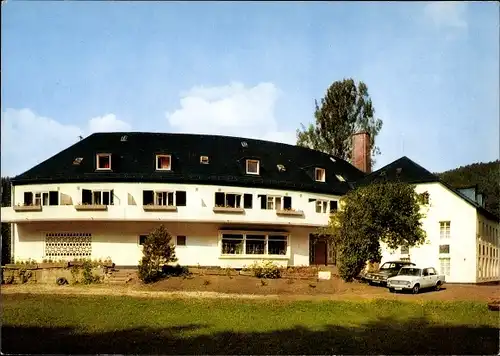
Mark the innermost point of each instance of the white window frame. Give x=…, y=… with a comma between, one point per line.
x=445, y=230
x=204, y=160
x=163, y=195
x=101, y=193
x=98, y=156
x=226, y=205
x=446, y=270
x=267, y=235
x=273, y=200
x=248, y=161
x=40, y=198
x=322, y=205
x=322, y=173
x=158, y=168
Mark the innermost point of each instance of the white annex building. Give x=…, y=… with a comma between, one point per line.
x=227, y=201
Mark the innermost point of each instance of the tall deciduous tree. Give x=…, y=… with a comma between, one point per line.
x=345, y=110
x=383, y=212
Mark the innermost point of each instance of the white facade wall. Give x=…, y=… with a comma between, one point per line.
x=446, y=206
x=200, y=203
x=115, y=232
x=488, y=249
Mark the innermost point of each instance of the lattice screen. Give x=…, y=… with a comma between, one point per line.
x=68, y=244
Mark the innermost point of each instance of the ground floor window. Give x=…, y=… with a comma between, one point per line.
x=444, y=266
x=254, y=243
x=68, y=244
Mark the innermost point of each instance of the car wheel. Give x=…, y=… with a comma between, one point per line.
x=415, y=289
x=392, y=290
x=438, y=286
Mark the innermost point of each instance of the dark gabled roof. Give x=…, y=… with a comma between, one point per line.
x=134, y=161
x=403, y=169
x=406, y=170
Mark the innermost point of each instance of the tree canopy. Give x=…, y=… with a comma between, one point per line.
x=5, y=196
x=345, y=109
x=382, y=212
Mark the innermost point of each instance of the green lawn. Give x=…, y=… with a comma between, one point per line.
x=125, y=325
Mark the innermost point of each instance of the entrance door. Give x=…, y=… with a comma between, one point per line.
x=320, y=253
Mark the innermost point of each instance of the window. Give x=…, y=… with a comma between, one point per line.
x=97, y=197
x=334, y=206
x=254, y=243
x=281, y=168
x=444, y=229
x=444, y=266
x=181, y=240
x=228, y=200
x=103, y=161
x=142, y=239
x=204, y=159
x=248, y=201
x=444, y=248
x=274, y=203
x=405, y=250
x=431, y=271
x=77, y=161
x=321, y=206
x=163, y=162
x=277, y=245
x=41, y=198
x=232, y=244
x=252, y=166
x=340, y=178
x=164, y=198
x=319, y=174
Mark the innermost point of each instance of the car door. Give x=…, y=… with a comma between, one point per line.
x=432, y=277
x=425, y=278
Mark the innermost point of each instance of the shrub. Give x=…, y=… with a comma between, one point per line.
x=265, y=270
x=157, y=252
x=176, y=270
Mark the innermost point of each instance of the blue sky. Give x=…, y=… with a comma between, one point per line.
x=250, y=69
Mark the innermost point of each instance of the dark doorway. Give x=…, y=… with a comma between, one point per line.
x=320, y=253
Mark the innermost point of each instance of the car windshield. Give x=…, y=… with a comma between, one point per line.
x=409, y=271
x=388, y=265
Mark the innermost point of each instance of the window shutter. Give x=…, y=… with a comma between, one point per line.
x=28, y=198
x=111, y=197
x=54, y=198
x=333, y=205
x=180, y=198
x=263, y=201
x=147, y=197
x=115, y=162
x=247, y=201
x=86, y=196
x=219, y=199
x=287, y=202
x=105, y=198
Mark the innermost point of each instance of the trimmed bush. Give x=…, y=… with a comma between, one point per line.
x=265, y=270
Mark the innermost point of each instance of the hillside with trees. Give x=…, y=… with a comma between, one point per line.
x=485, y=175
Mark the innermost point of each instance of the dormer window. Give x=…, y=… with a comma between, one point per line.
x=319, y=175
x=103, y=161
x=204, y=159
x=252, y=166
x=77, y=161
x=163, y=162
x=340, y=178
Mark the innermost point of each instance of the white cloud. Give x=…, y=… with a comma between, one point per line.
x=108, y=123
x=447, y=14
x=28, y=139
x=232, y=110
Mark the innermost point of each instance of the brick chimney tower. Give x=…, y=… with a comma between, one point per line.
x=361, y=152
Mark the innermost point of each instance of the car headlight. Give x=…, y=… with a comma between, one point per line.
x=408, y=284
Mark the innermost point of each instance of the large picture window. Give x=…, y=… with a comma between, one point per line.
x=254, y=243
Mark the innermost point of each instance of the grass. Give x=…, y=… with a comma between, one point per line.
x=125, y=325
